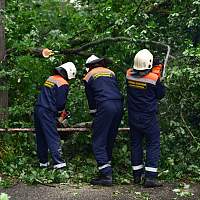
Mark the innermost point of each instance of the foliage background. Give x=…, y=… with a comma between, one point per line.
x=60, y=25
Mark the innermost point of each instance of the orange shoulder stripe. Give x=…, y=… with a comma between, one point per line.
x=148, y=78
x=58, y=80
x=151, y=76
x=128, y=72
x=97, y=71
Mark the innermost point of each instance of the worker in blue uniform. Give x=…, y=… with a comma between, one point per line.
x=106, y=104
x=144, y=89
x=50, y=107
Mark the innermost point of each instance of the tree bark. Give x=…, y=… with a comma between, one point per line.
x=61, y=130
x=3, y=93
x=2, y=32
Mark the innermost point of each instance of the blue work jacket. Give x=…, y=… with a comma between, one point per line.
x=53, y=95
x=101, y=85
x=144, y=92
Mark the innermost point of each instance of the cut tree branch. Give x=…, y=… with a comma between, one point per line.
x=109, y=39
x=94, y=43
x=81, y=50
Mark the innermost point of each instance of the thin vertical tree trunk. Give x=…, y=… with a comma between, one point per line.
x=2, y=32
x=3, y=92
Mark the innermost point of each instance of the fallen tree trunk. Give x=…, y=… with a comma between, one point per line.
x=61, y=130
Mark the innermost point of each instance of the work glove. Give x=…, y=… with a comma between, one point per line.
x=157, y=67
x=62, y=118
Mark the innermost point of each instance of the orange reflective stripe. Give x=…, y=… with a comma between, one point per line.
x=96, y=71
x=151, y=76
x=129, y=72
x=61, y=79
x=148, y=78
x=58, y=80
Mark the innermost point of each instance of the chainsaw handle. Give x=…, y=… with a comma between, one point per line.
x=165, y=63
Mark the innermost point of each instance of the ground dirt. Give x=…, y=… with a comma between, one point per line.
x=21, y=191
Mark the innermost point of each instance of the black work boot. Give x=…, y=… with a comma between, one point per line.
x=152, y=182
x=105, y=180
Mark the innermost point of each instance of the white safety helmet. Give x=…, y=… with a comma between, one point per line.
x=93, y=59
x=143, y=60
x=69, y=68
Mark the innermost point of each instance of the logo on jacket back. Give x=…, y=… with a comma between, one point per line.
x=49, y=84
x=137, y=84
x=102, y=75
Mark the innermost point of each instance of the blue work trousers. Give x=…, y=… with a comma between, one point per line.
x=105, y=128
x=47, y=136
x=144, y=126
